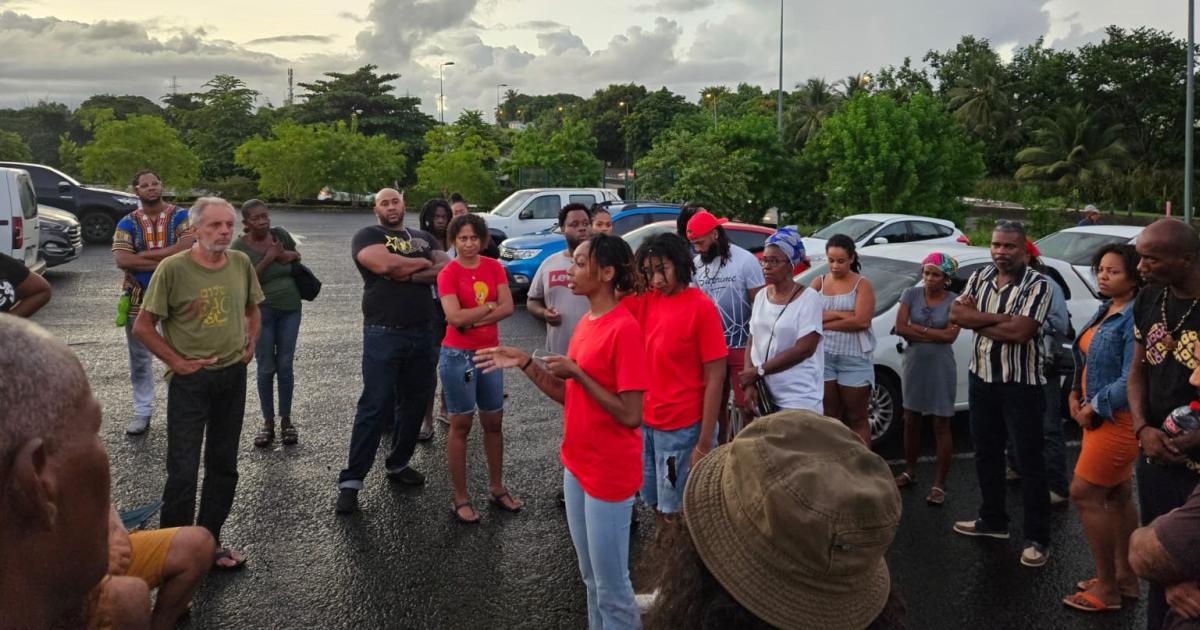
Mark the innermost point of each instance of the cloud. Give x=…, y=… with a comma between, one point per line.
x=560, y=42
x=399, y=26
x=676, y=6
x=353, y=17
x=291, y=39
x=541, y=25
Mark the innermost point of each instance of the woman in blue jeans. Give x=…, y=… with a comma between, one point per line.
x=600, y=384
x=272, y=252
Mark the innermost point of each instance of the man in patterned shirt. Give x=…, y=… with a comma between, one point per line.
x=1006, y=304
x=142, y=239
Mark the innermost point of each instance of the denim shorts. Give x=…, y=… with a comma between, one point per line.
x=849, y=370
x=665, y=459
x=466, y=387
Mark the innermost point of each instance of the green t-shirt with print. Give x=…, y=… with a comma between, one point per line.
x=277, y=283
x=203, y=310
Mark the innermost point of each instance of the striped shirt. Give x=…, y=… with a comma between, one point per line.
x=1001, y=362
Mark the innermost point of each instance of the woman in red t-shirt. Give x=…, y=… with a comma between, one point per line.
x=686, y=357
x=474, y=293
x=600, y=384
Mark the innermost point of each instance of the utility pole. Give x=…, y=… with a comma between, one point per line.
x=290, y=93
x=779, y=103
x=1190, y=126
x=174, y=86
x=442, y=92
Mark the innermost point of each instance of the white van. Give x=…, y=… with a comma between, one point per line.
x=19, y=233
x=536, y=209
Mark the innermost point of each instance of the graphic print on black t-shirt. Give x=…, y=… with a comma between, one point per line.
x=1169, y=367
x=386, y=302
x=12, y=273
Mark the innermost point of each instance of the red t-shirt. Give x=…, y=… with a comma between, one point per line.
x=604, y=456
x=682, y=333
x=473, y=288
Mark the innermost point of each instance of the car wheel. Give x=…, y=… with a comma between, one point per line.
x=886, y=411
x=98, y=226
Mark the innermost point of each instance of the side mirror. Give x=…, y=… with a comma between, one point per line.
x=64, y=187
x=527, y=213
x=882, y=240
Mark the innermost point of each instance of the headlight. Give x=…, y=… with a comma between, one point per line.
x=509, y=253
x=129, y=201
x=51, y=226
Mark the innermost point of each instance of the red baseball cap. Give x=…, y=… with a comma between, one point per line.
x=702, y=223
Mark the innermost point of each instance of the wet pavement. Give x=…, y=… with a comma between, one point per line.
x=403, y=562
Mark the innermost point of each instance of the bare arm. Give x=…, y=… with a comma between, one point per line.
x=911, y=333
x=145, y=329
x=253, y=328
x=1150, y=559
x=801, y=351
x=626, y=407
x=971, y=318
x=536, y=308
x=504, y=307
x=1135, y=387
x=380, y=261
x=133, y=263
x=429, y=276
x=714, y=386
x=32, y=294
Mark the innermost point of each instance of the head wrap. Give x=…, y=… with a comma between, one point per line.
x=788, y=240
x=943, y=262
x=1032, y=249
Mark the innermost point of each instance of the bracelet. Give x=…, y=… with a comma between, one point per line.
x=527, y=362
x=1137, y=435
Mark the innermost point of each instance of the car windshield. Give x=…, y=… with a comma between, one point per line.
x=639, y=236
x=1076, y=248
x=854, y=228
x=888, y=277
x=515, y=201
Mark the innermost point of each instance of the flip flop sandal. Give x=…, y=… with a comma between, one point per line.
x=290, y=436
x=465, y=521
x=903, y=480
x=498, y=499
x=227, y=554
x=937, y=496
x=265, y=437
x=1087, y=602
x=1086, y=585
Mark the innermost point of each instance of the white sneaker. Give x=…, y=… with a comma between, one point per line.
x=138, y=425
x=1057, y=499
x=1035, y=554
x=645, y=600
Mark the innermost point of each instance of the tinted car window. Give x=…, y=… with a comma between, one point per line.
x=894, y=233
x=888, y=277
x=748, y=240
x=43, y=179
x=545, y=207
x=1076, y=248
x=854, y=228
x=663, y=216
x=28, y=198
x=924, y=230
x=586, y=200
x=628, y=223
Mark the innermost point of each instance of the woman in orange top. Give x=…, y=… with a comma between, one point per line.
x=1102, y=489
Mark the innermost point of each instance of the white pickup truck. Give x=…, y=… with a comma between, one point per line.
x=19, y=234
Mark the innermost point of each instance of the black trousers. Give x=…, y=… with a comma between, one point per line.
x=1160, y=490
x=208, y=404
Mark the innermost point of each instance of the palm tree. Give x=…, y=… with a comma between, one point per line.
x=1072, y=149
x=980, y=101
x=853, y=85
x=813, y=102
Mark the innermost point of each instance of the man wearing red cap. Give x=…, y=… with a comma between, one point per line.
x=730, y=276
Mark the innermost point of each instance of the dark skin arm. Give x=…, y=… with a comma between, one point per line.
x=1155, y=444
x=382, y=262
x=537, y=308
x=1150, y=559
x=32, y=294
x=714, y=386
x=910, y=333
x=460, y=317
x=149, y=259
x=429, y=276
x=804, y=348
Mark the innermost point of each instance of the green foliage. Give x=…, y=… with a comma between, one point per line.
x=567, y=155
x=223, y=121
x=1074, y=150
x=120, y=148
x=459, y=159
x=40, y=126
x=606, y=114
x=69, y=155
x=877, y=155
x=652, y=116
x=13, y=148
x=811, y=103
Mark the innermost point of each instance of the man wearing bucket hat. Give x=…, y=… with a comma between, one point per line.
x=793, y=471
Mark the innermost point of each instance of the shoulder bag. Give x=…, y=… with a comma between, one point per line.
x=766, y=401
x=306, y=281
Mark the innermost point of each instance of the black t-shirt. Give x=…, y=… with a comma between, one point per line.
x=386, y=302
x=12, y=273
x=1169, y=368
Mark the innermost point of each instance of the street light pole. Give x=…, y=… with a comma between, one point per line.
x=442, y=92
x=1190, y=126
x=625, y=164
x=779, y=103
x=498, y=86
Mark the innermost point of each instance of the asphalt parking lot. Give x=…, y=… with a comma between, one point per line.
x=403, y=562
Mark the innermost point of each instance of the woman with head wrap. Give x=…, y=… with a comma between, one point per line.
x=929, y=374
x=785, y=365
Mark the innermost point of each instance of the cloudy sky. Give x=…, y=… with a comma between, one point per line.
x=67, y=50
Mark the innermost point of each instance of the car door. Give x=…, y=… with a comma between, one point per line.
x=627, y=222
x=539, y=213
x=894, y=233
x=45, y=183
x=927, y=231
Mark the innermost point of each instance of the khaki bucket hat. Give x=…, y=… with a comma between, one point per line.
x=793, y=518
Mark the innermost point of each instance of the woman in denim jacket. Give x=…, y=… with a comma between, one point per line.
x=1102, y=486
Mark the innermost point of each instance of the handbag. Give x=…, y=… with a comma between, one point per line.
x=306, y=281
x=766, y=401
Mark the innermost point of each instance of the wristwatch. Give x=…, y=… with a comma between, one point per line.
x=491, y=307
x=760, y=370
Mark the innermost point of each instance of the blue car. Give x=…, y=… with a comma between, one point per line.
x=521, y=256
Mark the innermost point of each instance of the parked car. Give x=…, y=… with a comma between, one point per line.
x=535, y=209
x=19, y=232
x=894, y=268
x=61, y=238
x=1077, y=245
x=98, y=209
x=521, y=256
x=885, y=229
x=752, y=238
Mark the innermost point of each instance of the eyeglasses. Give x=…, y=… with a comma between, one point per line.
x=771, y=261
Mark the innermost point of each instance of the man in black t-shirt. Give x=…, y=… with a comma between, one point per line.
x=22, y=293
x=1167, y=331
x=397, y=265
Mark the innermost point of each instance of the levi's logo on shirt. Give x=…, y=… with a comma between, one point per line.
x=558, y=278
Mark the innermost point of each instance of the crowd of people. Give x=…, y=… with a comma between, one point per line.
x=643, y=350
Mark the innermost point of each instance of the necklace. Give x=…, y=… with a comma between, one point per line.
x=1170, y=340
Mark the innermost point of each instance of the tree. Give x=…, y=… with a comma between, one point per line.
x=459, y=158
x=1073, y=149
x=120, y=148
x=811, y=103
x=13, y=148
x=606, y=114
x=877, y=155
x=284, y=162
x=901, y=83
x=651, y=116
x=854, y=85
x=223, y=121
x=567, y=155
x=40, y=126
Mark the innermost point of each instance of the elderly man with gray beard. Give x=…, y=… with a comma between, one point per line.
x=206, y=299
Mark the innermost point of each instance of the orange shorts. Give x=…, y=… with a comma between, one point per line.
x=1108, y=452
x=146, y=561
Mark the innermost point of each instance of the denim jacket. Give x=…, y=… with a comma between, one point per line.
x=1109, y=358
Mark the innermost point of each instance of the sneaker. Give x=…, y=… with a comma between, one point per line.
x=645, y=600
x=1011, y=476
x=1035, y=554
x=406, y=476
x=978, y=528
x=347, y=501
x=138, y=425
x=1057, y=499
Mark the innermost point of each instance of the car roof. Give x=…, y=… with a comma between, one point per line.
x=537, y=190
x=732, y=225
x=884, y=216
x=644, y=208
x=1130, y=231
x=916, y=252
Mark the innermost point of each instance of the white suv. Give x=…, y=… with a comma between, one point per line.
x=536, y=209
x=19, y=232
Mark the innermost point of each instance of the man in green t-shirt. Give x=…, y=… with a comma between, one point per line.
x=206, y=299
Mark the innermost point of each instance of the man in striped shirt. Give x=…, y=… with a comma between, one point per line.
x=1006, y=305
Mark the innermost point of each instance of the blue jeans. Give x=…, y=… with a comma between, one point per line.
x=999, y=410
x=466, y=387
x=666, y=456
x=274, y=353
x=395, y=371
x=600, y=532
x=1054, y=444
x=141, y=374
